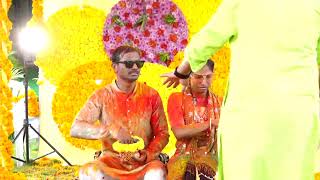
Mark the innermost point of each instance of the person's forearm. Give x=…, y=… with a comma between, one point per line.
x=157, y=144
x=184, y=68
x=188, y=131
x=85, y=130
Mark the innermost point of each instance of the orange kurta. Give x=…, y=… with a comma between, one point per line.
x=141, y=112
x=184, y=109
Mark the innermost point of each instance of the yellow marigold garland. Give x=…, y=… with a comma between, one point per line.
x=37, y=13
x=75, y=39
x=33, y=106
x=6, y=126
x=37, y=10
x=6, y=150
x=33, y=103
x=134, y=147
x=5, y=108
x=6, y=45
x=221, y=71
x=6, y=117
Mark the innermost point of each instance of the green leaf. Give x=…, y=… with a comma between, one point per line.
x=14, y=60
x=164, y=57
x=169, y=19
x=17, y=73
x=117, y=20
x=11, y=137
x=142, y=21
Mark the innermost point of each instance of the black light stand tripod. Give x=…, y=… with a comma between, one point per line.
x=26, y=123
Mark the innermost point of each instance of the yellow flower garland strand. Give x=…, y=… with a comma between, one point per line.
x=37, y=13
x=6, y=45
x=134, y=147
x=33, y=103
x=37, y=10
x=6, y=117
x=6, y=126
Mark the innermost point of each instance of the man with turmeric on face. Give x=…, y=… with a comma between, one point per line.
x=124, y=108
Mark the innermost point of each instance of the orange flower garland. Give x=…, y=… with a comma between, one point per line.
x=6, y=117
x=33, y=103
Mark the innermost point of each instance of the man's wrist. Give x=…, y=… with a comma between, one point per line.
x=180, y=75
x=150, y=155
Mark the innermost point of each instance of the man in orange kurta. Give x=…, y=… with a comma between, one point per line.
x=124, y=108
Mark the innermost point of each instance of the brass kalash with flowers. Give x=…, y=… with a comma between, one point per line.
x=129, y=149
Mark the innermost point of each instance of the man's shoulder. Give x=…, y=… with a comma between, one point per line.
x=146, y=89
x=219, y=99
x=176, y=95
x=103, y=91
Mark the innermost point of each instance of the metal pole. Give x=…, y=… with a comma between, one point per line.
x=26, y=122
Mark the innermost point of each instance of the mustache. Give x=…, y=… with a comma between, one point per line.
x=134, y=72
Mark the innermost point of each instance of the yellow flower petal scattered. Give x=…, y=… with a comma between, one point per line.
x=50, y=169
x=5, y=175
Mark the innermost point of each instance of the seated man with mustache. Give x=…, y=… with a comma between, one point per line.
x=125, y=108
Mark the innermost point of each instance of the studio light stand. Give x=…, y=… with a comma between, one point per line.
x=27, y=62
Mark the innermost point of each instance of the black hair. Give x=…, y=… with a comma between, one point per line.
x=210, y=64
x=116, y=55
